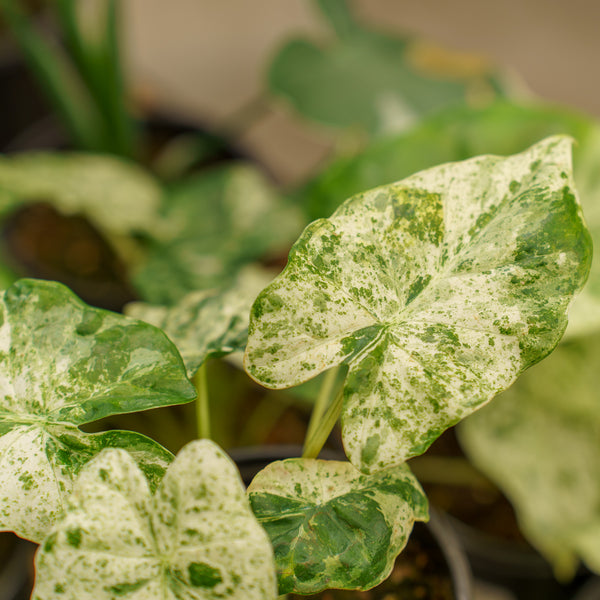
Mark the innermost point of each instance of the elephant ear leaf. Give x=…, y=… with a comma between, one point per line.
x=436, y=292
x=207, y=323
x=332, y=526
x=63, y=364
x=196, y=537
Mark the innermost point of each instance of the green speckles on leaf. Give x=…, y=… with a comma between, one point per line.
x=203, y=575
x=331, y=526
x=440, y=290
x=195, y=537
x=369, y=451
x=73, y=537
x=123, y=589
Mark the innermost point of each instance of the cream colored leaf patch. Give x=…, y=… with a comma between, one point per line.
x=332, y=526
x=63, y=364
x=436, y=291
x=194, y=539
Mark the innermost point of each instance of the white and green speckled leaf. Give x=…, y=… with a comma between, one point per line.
x=38, y=464
x=194, y=539
x=332, y=526
x=117, y=196
x=215, y=223
x=540, y=443
x=63, y=364
x=210, y=323
x=502, y=128
x=437, y=292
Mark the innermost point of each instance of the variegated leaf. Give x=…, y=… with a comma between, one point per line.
x=195, y=539
x=332, y=526
x=215, y=222
x=540, y=443
x=210, y=323
x=38, y=463
x=436, y=292
x=117, y=196
x=63, y=364
x=501, y=128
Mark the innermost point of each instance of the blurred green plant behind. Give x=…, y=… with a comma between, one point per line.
x=173, y=217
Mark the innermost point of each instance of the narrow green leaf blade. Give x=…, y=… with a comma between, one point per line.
x=540, y=443
x=196, y=538
x=436, y=292
x=333, y=527
x=38, y=464
x=206, y=324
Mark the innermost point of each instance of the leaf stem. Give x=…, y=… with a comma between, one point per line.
x=320, y=432
x=320, y=406
x=202, y=405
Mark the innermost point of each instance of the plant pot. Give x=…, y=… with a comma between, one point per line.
x=16, y=567
x=487, y=527
x=439, y=570
x=589, y=591
x=513, y=566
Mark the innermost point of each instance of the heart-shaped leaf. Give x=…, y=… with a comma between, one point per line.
x=456, y=134
x=195, y=538
x=63, y=364
x=215, y=223
x=540, y=443
x=115, y=195
x=39, y=463
x=332, y=526
x=436, y=292
x=366, y=79
x=210, y=323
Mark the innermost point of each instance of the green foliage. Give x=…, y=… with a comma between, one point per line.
x=85, y=84
x=365, y=79
x=215, y=223
x=436, y=292
x=118, y=196
x=207, y=324
x=333, y=527
x=458, y=134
